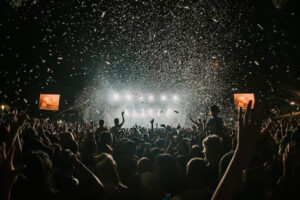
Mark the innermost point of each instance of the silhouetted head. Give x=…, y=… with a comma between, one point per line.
x=214, y=110
x=195, y=170
x=101, y=123
x=212, y=148
x=165, y=164
x=196, y=151
x=64, y=161
x=169, y=173
x=144, y=164
x=106, y=168
x=116, y=121
x=130, y=147
x=183, y=147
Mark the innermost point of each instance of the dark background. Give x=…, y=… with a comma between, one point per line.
x=75, y=48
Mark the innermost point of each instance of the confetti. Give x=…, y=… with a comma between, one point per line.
x=262, y=28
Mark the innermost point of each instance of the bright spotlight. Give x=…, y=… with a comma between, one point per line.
x=128, y=97
x=116, y=96
x=2, y=107
x=175, y=98
x=163, y=98
x=151, y=97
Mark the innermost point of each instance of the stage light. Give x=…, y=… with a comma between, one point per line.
x=175, y=98
x=116, y=96
x=163, y=98
x=151, y=97
x=2, y=107
x=292, y=103
x=128, y=97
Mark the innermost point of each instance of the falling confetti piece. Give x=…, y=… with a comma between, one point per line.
x=262, y=28
x=256, y=62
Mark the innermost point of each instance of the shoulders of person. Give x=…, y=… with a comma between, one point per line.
x=113, y=128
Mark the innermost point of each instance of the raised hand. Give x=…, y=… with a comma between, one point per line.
x=289, y=158
x=19, y=119
x=249, y=134
x=152, y=121
x=123, y=113
x=249, y=128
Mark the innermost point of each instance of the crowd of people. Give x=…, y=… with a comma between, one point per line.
x=257, y=159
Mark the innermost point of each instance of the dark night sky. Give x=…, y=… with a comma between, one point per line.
x=76, y=47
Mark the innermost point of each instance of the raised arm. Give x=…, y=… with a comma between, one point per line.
x=94, y=182
x=249, y=134
x=16, y=125
x=123, y=120
x=198, y=124
x=152, y=126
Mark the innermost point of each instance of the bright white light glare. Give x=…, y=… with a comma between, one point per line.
x=169, y=111
x=128, y=97
x=175, y=98
x=2, y=107
x=151, y=97
x=143, y=114
x=116, y=96
x=150, y=112
x=134, y=114
x=159, y=111
x=292, y=103
x=163, y=98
